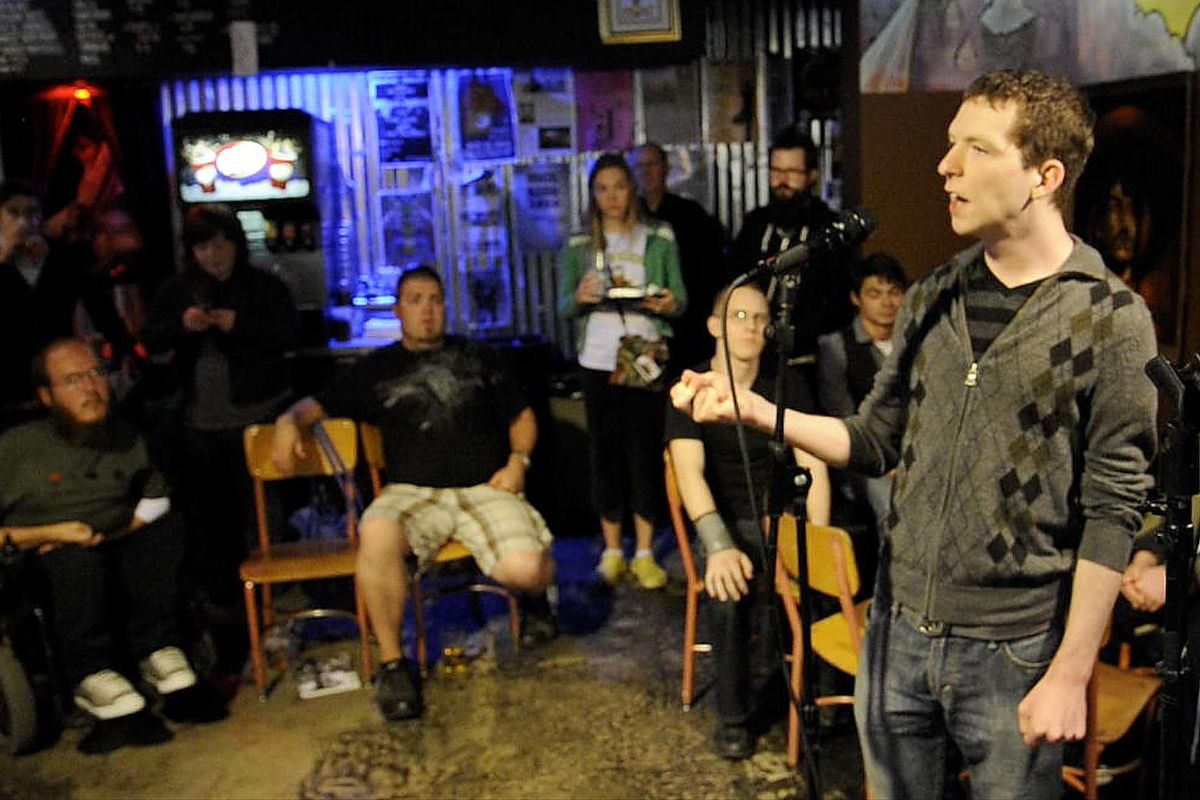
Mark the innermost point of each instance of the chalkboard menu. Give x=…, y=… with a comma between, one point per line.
x=65, y=39
x=61, y=39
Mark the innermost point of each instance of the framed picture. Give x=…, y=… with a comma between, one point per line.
x=639, y=21
x=1131, y=198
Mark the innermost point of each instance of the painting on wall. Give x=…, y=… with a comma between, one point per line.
x=604, y=109
x=1129, y=203
x=942, y=45
x=731, y=91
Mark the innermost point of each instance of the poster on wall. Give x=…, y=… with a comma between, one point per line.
x=540, y=195
x=688, y=174
x=545, y=113
x=484, y=258
x=406, y=224
x=605, y=110
x=671, y=103
x=402, y=115
x=731, y=102
x=485, y=115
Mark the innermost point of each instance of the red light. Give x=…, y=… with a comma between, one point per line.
x=81, y=94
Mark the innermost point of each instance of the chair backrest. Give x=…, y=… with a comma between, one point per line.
x=832, y=567
x=372, y=448
x=678, y=522
x=258, y=441
x=340, y=434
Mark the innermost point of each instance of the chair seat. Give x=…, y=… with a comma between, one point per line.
x=831, y=639
x=300, y=561
x=1123, y=694
x=452, y=550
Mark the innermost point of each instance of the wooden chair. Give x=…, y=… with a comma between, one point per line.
x=837, y=638
x=1117, y=696
x=306, y=560
x=452, y=553
x=695, y=584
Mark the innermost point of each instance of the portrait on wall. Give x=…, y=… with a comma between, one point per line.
x=1129, y=200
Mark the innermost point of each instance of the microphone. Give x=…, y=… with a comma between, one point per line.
x=850, y=228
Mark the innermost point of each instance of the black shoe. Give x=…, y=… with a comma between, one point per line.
x=538, y=622
x=733, y=742
x=398, y=691
x=537, y=629
x=196, y=704
x=142, y=729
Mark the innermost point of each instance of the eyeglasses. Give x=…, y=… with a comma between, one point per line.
x=757, y=320
x=777, y=172
x=74, y=380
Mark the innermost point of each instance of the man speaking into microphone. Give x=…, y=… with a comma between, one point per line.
x=1016, y=413
x=793, y=216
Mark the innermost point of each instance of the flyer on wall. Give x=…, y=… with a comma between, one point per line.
x=485, y=118
x=402, y=115
x=545, y=112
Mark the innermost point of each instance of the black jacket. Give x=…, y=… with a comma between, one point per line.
x=264, y=329
x=823, y=304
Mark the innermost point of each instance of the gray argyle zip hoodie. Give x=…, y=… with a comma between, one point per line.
x=1010, y=468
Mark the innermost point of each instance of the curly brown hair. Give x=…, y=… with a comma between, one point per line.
x=1054, y=119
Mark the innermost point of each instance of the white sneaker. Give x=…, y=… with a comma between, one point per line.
x=107, y=695
x=167, y=670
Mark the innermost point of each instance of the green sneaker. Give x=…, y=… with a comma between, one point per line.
x=611, y=567
x=648, y=573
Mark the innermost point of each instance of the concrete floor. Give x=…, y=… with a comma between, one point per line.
x=595, y=714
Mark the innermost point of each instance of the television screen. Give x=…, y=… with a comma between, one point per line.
x=243, y=164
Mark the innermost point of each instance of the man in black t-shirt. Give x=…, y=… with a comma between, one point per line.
x=708, y=468
x=457, y=436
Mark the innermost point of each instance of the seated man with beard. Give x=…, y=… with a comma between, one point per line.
x=78, y=485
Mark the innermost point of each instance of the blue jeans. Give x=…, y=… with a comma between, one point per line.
x=915, y=694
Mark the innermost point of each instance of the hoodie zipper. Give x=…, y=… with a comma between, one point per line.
x=970, y=381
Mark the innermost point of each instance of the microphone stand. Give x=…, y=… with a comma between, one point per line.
x=788, y=492
x=1179, y=480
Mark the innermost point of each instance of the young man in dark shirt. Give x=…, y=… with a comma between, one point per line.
x=708, y=467
x=457, y=436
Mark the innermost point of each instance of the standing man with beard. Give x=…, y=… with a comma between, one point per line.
x=793, y=216
x=79, y=485
x=457, y=436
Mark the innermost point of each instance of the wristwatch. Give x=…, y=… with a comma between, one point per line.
x=525, y=459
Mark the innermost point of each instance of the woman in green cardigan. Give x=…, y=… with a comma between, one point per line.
x=620, y=250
